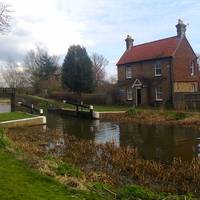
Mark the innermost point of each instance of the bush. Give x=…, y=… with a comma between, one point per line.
x=68, y=169
x=180, y=115
x=132, y=112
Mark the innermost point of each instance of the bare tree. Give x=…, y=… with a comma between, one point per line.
x=4, y=17
x=14, y=76
x=99, y=63
x=40, y=66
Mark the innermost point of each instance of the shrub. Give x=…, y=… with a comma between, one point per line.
x=3, y=140
x=68, y=169
x=131, y=112
x=180, y=115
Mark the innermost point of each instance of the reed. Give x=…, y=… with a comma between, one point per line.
x=105, y=163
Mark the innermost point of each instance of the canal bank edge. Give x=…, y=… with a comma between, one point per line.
x=38, y=120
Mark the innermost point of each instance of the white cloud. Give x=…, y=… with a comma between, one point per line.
x=100, y=25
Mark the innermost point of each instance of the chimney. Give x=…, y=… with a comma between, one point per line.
x=129, y=42
x=181, y=28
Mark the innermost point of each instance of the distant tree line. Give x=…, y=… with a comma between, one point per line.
x=79, y=73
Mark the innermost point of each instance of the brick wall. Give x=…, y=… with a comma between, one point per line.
x=182, y=61
x=145, y=71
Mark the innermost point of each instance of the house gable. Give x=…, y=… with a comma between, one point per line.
x=182, y=59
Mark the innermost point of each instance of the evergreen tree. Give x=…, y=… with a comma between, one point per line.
x=77, y=73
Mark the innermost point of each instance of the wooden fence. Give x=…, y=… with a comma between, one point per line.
x=187, y=101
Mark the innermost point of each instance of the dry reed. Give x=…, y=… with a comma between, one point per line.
x=106, y=162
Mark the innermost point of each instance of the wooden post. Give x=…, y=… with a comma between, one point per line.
x=32, y=107
x=77, y=110
x=91, y=111
x=12, y=98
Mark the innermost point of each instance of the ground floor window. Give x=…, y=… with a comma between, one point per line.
x=129, y=94
x=158, y=93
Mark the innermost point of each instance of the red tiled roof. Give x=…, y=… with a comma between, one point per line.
x=151, y=50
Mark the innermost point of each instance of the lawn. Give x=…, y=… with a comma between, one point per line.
x=18, y=182
x=13, y=116
x=107, y=108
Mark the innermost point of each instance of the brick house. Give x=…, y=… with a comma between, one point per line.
x=151, y=73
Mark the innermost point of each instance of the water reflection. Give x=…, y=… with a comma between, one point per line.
x=153, y=142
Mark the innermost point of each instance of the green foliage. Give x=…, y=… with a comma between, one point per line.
x=180, y=115
x=68, y=169
x=132, y=112
x=2, y=139
x=47, y=64
x=40, y=66
x=77, y=73
x=133, y=191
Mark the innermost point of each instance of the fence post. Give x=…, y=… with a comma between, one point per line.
x=91, y=111
x=32, y=107
x=41, y=112
x=77, y=110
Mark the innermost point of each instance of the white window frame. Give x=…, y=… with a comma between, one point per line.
x=129, y=94
x=157, y=66
x=192, y=67
x=158, y=94
x=128, y=72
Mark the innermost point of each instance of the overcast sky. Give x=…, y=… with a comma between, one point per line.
x=100, y=25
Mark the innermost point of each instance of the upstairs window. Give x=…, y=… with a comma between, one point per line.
x=192, y=72
x=129, y=94
x=128, y=72
x=157, y=68
x=158, y=93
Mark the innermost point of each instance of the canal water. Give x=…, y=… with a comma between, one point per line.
x=152, y=141
x=4, y=106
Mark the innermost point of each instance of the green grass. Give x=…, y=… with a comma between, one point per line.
x=13, y=116
x=69, y=170
x=19, y=182
x=104, y=108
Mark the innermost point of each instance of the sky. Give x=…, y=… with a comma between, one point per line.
x=99, y=25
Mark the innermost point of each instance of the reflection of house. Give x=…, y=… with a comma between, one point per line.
x=150, y=73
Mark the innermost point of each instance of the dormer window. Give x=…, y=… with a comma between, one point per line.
x=192, y=72
x=128, y=72
x=157, y=68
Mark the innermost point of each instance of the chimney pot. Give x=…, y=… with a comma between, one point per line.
x=129, y=42
x=181, y=28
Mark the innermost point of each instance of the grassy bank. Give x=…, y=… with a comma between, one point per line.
x=156, y=116
x=18, y=181
x=81, y=167
x=13, y=116
x=50, y=103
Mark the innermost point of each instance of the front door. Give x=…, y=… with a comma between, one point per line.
x=138, y=96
